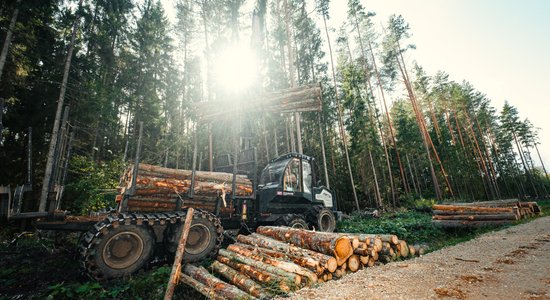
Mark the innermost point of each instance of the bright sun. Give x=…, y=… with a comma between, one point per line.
x=236, y=68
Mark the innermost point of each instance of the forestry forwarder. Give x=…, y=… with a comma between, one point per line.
x=120, y=243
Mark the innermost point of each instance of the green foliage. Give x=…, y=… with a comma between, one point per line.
x=150, y=285
x=88, y=180
x=412, y=226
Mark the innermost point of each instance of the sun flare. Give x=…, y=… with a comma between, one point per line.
x=236, y=68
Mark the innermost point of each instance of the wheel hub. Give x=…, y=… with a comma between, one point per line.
x=198, y=239
x=123, y=250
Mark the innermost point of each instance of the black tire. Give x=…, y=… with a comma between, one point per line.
x=204, y=239
x=322, y=219
x=119, y=251
x=294, y=221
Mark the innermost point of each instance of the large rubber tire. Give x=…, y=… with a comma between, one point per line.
x=322, y=219
x=119, y=251
x=293, y=221
x=204, y=239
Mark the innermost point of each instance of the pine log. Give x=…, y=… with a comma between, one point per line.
x=354, y=263
x=371, y=262
x=259, y=275
x=176, y=267
x=283, y=265
x=492, y=203
x=221, y=288
x=338, y=273
x=295, y=253
x=329, y=276
x=305, y=262
x=472, y=208
x=390, y=238
x=457, y=223
x=501, y=216
x=208, y=292
x=403, y=248
x=363, y=249
x=199, y=175
x=412, y=250
x=293, y=279
x=470, y=212
x=242, y=281
x=330, y=244
x=364, y=260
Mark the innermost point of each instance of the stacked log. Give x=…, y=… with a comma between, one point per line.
x=485, y=213
x=159, y=189
x=277, y=260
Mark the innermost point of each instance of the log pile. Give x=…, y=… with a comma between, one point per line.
x=485, y=213
x=298, y=99
x=277, y=260
x=159, y=189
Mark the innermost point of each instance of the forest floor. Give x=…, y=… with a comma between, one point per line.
x=513, y=263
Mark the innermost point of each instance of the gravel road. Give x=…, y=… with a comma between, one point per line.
x=513, y=263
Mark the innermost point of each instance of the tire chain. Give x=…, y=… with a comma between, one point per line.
x=94, y=236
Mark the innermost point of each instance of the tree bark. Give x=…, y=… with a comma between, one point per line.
x=7, y=40
x=241, y=281
x=176, y=268
x=55, y=130
x=327, y=243
x=283, y=265
x=225, y=290
x=293, y=280
x=324, y=261
x=256, y=273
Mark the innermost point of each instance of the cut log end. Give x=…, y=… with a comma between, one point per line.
x=342, y=250
x=332, y=265
x=354, y=263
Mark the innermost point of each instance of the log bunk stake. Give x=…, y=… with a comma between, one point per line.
x=485, y=213
x=278, y=260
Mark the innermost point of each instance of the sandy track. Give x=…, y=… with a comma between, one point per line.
x=512, y=263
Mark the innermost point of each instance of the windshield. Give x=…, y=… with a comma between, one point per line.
x=271, y=174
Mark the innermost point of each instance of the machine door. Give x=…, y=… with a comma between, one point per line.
x=298, y=180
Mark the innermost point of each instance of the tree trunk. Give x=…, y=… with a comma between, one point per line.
x=340, y=119
x=55, y=130
x=491, y=217
x=242, y=281
x=225, y=290
x=296, y=253
x=327, y=243
x=176, y=267
x=354, y=263
x=7, y=40
x=205, y=290
x=256, y=273
x=292, y=279
x=283, y=265
x=459, y=208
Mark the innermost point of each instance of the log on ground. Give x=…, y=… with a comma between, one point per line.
x=220, y=287
x=330, y=244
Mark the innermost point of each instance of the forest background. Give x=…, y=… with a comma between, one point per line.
x=392, y=132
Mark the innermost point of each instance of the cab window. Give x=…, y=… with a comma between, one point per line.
x=292, y=182
x=307, y=176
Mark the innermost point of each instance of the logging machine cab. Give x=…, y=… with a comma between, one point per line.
x=287, y=186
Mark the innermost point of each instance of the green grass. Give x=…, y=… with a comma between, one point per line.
x=416, y=227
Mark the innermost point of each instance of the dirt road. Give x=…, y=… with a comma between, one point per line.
x=513, y=263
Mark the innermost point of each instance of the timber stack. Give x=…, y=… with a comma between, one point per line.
x=484, y=213
x=278, y=260
x=159, y=189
